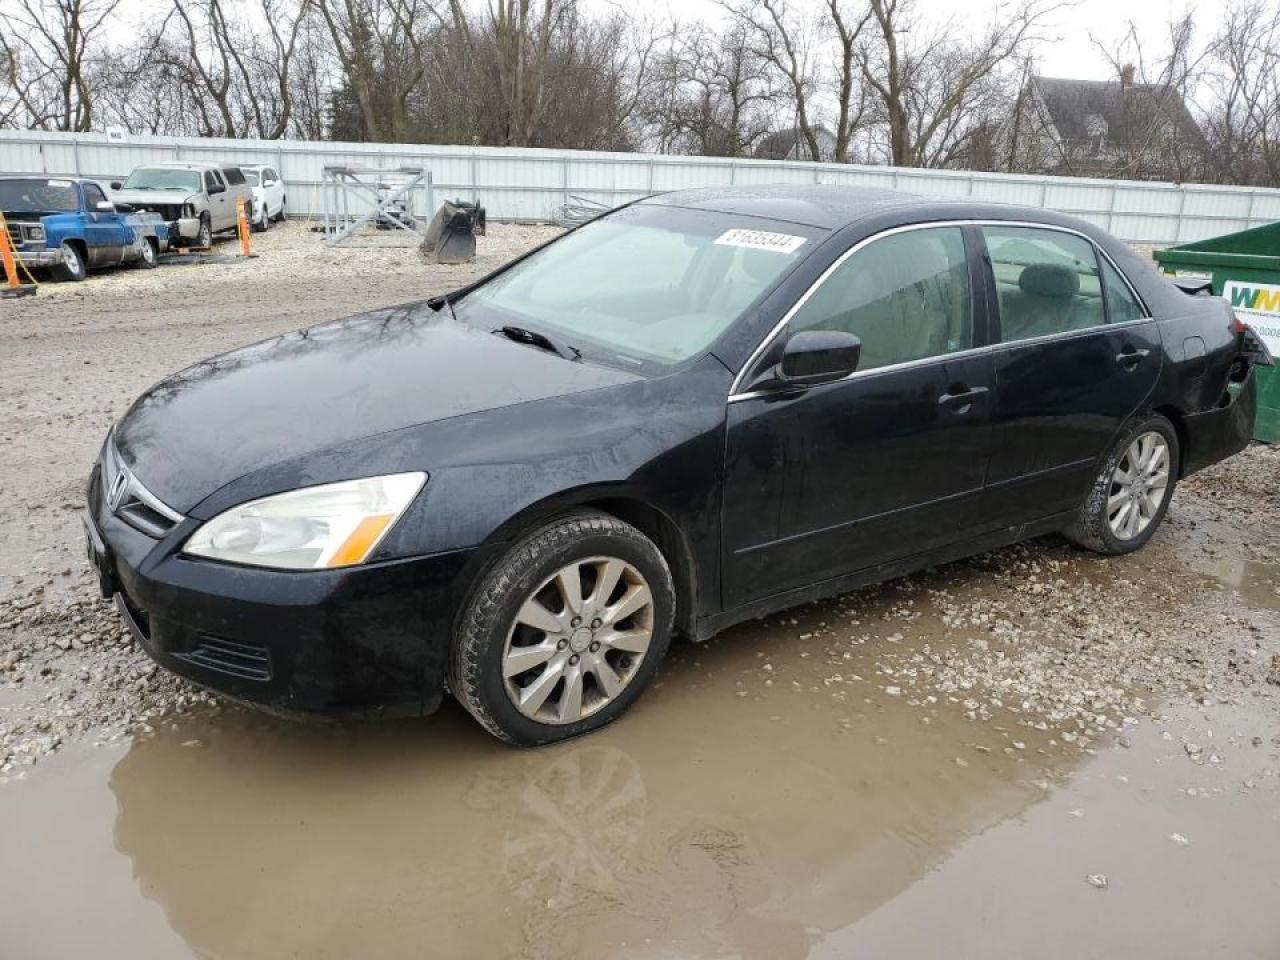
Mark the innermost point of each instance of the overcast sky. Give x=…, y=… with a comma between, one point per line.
x=1070, y=52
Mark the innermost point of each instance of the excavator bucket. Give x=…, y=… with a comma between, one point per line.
x=451, y=235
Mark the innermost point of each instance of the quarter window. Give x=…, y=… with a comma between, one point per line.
x=1046, y=280
x=1120, y=299
x=906, y=296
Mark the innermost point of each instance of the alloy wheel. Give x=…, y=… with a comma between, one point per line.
x=1138, y=485
x=578, y=640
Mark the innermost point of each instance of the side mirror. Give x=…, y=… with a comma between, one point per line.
x=105, y=206
x=217, y=188
x=818, y=356
x=123, y=207
x=115, y=184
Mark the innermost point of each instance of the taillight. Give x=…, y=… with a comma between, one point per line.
x=1237, y=325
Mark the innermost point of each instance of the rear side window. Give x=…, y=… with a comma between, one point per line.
x=269, y=174
x=905, y=296
x=1047, y=282
x=1124, y=306
x=232, y=175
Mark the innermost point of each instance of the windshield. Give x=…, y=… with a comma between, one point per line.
x=38, y=196
x=651, y=283
x=250, y=177
x=163, y=178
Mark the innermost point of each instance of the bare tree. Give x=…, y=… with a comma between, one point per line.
x=931, y=86
x=49, y=51
x=1242, y=83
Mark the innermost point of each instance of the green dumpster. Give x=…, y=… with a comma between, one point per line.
x=1244, y=268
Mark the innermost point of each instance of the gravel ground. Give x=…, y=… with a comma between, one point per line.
x=1041, y=640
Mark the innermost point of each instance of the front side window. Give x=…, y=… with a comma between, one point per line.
x=1046, y=282
x=93, y=195
x=251, y=177
x=211, y=180
x=646, y=285
x=905, y=296
x=1124, y=306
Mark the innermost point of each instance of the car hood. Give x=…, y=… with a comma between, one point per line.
x=326, y=386
x=138, y=198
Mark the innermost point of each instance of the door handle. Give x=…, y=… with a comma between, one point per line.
x=960, y=398
x=1130, y=358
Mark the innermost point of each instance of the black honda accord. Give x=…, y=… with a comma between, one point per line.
x=698, y=408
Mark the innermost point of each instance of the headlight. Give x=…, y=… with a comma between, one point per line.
x=36, y=234
x=334, y=525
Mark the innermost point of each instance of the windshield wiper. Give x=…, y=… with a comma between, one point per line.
x=540, y=340
x=442, y=300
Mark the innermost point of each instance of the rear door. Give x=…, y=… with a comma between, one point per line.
x=888, y=462
x=1072, y=364
x=105, y=233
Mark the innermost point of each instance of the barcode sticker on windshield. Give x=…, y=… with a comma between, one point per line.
x=760, y=240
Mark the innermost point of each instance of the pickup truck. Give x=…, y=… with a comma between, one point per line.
x=68, y=225
x=197, y=200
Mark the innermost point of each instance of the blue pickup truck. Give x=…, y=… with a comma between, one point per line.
x=68, y=226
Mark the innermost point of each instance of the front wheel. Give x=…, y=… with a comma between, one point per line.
x=262, y=222
x=1131, y=494
x=565, y=632
x=205, y=237
x=72, y=266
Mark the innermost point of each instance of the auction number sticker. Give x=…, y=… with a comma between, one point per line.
x=760, y=240
x=1259, y=303
x=59, y=183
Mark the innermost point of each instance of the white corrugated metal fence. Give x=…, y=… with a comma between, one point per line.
x=529, y=184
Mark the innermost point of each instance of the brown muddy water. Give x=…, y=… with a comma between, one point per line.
x=722, y=818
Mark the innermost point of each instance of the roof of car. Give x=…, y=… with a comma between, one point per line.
x=817, y=204
x=189, y=165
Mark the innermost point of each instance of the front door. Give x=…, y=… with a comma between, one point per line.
x=1078, y=356
x=888, y=462
x=105, y=233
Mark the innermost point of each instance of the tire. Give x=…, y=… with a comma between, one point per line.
x=282, y=216
x=1119, y=518
x=149, y=259
x=72, y=267
x=205, y=237
x=537, y=705
x=260, y=225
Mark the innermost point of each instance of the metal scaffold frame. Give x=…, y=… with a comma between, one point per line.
x=361, y=198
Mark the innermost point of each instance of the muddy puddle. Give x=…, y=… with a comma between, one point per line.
x=726, y=816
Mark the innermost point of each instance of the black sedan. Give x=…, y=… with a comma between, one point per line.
x=699, y=408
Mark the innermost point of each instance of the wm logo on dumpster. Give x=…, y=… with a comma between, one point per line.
x=1258, y=297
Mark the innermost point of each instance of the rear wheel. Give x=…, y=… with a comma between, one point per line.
x=72, y=266
x=1132, y=492
x=565, y=632
x=148, y=258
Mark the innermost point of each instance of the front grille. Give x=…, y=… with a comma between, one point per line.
x=249, y=661
x=166, y=210
x=19, y=233
x=126, y=497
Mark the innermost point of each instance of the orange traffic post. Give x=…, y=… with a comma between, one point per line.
x=13, y=287
x=242, y=220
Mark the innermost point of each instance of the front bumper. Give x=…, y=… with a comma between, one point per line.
x=188, y=227
x=369, y=639
x=39, y=258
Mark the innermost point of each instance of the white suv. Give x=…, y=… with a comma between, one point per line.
x=268, y=196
